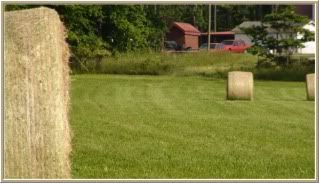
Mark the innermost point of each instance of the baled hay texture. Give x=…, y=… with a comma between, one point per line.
x=36, y=133
x=240, y=85
x=310, y=86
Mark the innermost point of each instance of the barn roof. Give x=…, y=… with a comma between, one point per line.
x=186, y=28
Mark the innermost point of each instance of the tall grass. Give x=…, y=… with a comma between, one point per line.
x=294, y=73
x=153, y=63
x=209, y=64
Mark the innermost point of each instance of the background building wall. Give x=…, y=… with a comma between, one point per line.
x=191, y=41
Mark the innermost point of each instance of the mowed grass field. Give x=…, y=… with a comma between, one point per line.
x=182, y=127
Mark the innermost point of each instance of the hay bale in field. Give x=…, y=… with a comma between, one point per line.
x=310, y=86
x=240, y=85
x=36, y=128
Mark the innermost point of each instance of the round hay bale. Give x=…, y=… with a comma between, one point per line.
x=240, y=85
x=310, y=86
x=36, y=127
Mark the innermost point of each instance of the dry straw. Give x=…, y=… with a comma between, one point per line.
x=310, y=86
x=240, y=85
x=36, y=133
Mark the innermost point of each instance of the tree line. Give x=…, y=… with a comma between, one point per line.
x=97, y=31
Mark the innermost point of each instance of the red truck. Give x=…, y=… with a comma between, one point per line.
x=236, y=46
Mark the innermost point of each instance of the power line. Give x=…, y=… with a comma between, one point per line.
x=209, y=24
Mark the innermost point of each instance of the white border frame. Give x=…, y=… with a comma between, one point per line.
x=167, y=2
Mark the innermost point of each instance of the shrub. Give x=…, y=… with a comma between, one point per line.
x=292, y=73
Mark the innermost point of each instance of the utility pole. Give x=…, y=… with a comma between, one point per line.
x=209, y=24
x=194, y=20
x=215, y=19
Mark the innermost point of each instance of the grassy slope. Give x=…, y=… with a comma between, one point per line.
x=211, y=64
x=182, y=127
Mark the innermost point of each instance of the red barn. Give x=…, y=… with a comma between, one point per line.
x=184, y=34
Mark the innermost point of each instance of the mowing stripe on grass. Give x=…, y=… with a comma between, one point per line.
x=182, y=127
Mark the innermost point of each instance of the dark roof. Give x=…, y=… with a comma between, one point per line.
x=186, y=28
x=219, y=33
x=248, y=24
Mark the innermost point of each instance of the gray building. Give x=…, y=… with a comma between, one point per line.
x=239, y=34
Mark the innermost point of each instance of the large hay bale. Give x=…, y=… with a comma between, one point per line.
x=240, y=85
x=310, y=86
x=36, y=133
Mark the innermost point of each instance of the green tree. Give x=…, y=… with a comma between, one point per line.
x=126, y=26
x=286, y=25
x=84, y=29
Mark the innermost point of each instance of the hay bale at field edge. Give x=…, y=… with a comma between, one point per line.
x=310, y=86
x=36, y=91
x=240, y=85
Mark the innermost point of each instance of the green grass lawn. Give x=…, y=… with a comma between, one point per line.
x=182, y=127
